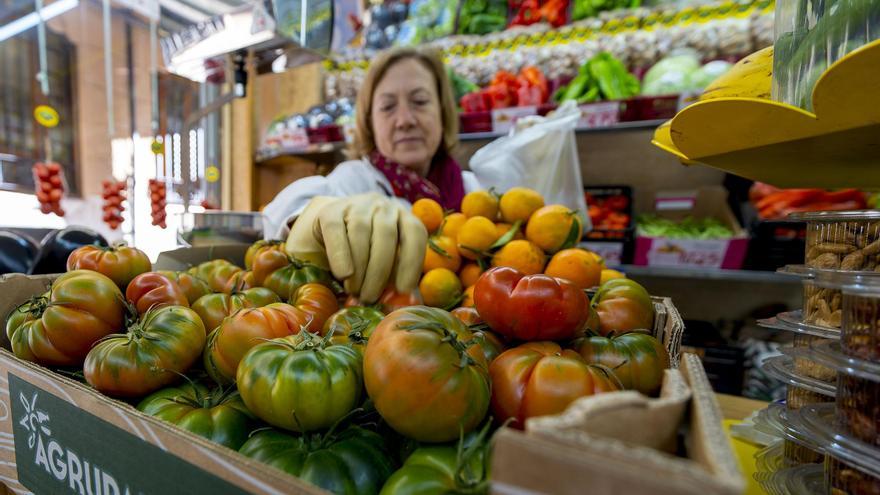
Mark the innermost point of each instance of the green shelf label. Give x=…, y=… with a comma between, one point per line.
x=60, y=448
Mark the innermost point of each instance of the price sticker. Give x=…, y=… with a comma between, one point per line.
x=157, y=147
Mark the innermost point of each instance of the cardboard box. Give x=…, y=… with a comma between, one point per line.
x=618, y=444
x=59, y=436
x=708, y=202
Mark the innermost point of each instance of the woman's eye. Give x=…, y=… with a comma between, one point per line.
x=421, y=102
x=386, y=108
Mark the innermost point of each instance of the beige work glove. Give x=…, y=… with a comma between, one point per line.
x=365, y=240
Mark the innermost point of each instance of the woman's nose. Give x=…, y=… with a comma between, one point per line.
x=405, y=117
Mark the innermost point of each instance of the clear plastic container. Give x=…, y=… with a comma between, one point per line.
x=783, y=369
x=793, y=321
x=798, y=480
x=806, y=367
x=796, y=446
x=852, y=467
x=810, y=35
x=842, y=240
x=860, y=336
x=858, y=392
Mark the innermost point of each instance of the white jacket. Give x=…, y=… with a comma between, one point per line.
x=348, y=178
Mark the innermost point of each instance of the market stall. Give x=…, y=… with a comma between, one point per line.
x=625, y=287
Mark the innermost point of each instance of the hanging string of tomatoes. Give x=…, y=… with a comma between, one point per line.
x=49, y=187
x=158, y=193
x=114, y=193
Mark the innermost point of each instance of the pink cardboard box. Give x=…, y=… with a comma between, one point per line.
x=694, y=253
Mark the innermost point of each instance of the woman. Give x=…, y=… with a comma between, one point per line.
x=356, y=220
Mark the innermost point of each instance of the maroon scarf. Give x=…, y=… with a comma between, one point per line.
x=443, y=184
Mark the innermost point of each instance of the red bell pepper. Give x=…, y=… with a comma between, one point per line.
x=533, y=76
x=554, y=12
x=529, y=13
x=501, y=96
x=478, y=101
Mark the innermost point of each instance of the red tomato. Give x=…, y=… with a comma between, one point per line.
x=121, y=263
x=41, y=171
x=151, y=289
x=54, y=168
x=539, y=379
x=530, y=307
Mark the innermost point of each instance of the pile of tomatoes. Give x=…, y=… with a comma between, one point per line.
x=273, y=360
x=49, y=186
x=114, y=193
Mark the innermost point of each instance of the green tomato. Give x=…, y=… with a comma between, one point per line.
x=301, y=383
x=353, y=326
x=351, y=462
x=444, y=469
x=220, y=416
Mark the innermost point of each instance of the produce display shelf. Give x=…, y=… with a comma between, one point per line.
x=622, y=126
x=751, y=276
x=757, y=138
x=312, y=149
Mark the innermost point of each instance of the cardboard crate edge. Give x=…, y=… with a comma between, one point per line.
x=710, y=467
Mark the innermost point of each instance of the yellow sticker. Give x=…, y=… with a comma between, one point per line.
x=157, y=147
x=212, y=174
x=46, y=116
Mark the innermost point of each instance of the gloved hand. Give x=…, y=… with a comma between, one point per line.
x=364, y=240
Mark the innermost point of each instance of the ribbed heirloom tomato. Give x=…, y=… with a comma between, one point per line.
x=622, y=306
x=539, y=379
x=492, y=344
x=299, y=382
x=530, y=307
x=310, y=308
x=638, y=360
x=352, y=326
x=284, y=275
x=215, y=272
x=213, y=308
x=193, y=287
x=157, y=348
x=121, y=263
x=353, y=461
x=152, y=290
x=423, y=377
x=444, y=469
x=258, y=247
x=59, y=327
x=218, y=415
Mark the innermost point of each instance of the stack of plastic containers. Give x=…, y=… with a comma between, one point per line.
x=833, y=369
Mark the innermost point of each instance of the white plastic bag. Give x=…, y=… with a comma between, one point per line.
x=542, y=157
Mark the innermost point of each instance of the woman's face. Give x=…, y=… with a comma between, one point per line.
x=406, y=117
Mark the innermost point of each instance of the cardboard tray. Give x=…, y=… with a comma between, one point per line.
x=54, y=429
x=614, y=444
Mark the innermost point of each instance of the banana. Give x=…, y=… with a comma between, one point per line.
x=751, y=77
